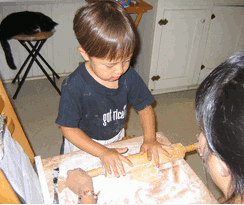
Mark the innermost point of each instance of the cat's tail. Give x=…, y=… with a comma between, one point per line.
x=8, y=54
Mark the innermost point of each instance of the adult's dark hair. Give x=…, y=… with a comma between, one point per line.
x=105, y=30
x=220, y=115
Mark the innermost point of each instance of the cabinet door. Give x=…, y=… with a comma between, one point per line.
x=178, y=50
x=226, y=36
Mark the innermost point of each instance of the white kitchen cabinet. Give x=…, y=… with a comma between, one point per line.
x=189, y=41
x=226, y=36
x=181, y=36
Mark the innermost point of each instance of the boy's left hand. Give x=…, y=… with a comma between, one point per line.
x=154, y=148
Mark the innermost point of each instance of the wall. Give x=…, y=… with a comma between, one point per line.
x=146, y=32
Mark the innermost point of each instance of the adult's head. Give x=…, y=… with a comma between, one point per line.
x=220, y=115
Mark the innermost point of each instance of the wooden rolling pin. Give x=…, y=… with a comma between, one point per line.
x=140, y=161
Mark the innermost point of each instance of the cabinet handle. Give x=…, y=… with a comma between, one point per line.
x=163, y=22
x=155, y=77
x=213, y=16
x=202, y=67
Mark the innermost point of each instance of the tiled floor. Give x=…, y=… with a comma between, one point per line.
x=37, y=108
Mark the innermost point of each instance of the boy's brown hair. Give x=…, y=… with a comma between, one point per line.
x=105, y=30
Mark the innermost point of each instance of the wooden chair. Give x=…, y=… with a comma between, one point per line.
x=7, y=194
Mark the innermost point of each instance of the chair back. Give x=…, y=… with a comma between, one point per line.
x=7, y=194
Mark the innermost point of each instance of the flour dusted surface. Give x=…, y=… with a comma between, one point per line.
x=172, y=186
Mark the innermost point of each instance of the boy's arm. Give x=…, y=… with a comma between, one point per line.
x=150, y=144
x=111, y=158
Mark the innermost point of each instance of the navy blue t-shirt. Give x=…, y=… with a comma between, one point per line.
x=99, y=111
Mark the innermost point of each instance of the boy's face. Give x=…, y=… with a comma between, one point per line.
x=104, y=71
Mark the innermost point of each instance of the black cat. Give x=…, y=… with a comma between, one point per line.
x=24, y=22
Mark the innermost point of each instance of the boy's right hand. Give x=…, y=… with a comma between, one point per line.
x=112, y=158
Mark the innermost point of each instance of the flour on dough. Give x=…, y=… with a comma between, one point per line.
x=147, y=173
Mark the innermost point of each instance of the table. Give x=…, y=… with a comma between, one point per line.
x=140, y=7
x=176, y=181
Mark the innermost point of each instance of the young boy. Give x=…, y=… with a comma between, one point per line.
x=94, y=99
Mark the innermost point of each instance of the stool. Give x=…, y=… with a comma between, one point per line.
x=34, y=51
